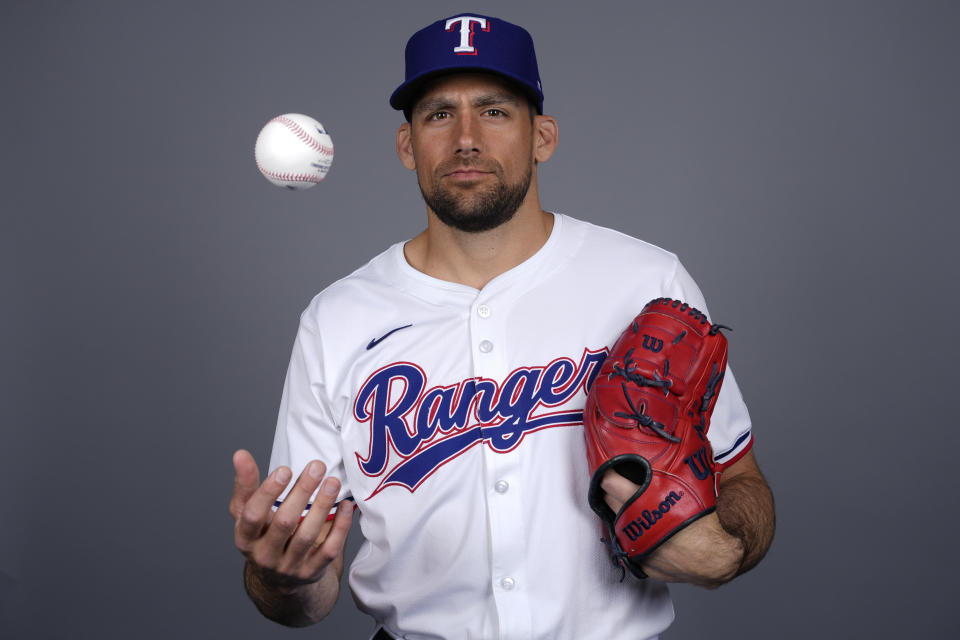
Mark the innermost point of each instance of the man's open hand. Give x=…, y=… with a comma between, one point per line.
x=283, y=550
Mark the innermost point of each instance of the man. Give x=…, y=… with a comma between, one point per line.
x=439, y=391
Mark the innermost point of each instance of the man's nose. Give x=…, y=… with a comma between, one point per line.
x=468, y=134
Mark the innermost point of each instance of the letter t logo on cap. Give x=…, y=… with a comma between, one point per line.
x=466, y=47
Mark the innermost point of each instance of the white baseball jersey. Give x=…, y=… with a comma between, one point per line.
x=454, y=418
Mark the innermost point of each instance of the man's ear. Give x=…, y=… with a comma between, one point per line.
x=545, y=137
x=405, y=146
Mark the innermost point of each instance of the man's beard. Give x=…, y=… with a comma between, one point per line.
x=487, y=210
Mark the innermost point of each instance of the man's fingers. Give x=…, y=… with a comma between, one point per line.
x=287, y=518
x=617, y=488
x=331, y=548
x=316, y=525
x=245, y=482
x=256, y=512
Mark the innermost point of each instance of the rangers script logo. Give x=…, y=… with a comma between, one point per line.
x=426, y=428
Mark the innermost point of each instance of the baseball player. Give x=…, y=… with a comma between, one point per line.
x=436, y=395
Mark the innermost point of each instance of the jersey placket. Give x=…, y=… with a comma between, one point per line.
x=503, y=492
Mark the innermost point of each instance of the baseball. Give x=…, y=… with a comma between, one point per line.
x=293, y=151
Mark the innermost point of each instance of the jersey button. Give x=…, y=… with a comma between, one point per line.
x=502, y=486
x=508, y=584
x=484, y=311
x=486, y=346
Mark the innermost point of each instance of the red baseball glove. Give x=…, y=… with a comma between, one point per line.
x=646, y=417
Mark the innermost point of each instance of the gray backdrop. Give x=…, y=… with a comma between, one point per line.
x=800, y=157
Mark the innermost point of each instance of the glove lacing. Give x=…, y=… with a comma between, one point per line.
x=620, y=558
x=628, y=371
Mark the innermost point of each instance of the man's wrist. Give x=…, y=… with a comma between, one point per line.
x=734, y=552
x=265, y=581
x=290, y=602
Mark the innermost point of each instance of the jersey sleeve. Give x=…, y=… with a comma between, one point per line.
x=730, y=431
x=306, y=428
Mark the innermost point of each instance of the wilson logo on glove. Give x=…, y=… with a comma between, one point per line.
x=700, y=464
x=649, y=518
x=652, y=344
x=646, y=418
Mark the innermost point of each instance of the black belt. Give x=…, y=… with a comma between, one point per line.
x=382, y=635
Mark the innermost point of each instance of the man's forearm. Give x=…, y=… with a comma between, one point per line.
x=298, y=606
x=726, y=543
x=745, y=509
x=703, y=553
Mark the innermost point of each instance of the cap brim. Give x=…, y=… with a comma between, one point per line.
x=402, y=98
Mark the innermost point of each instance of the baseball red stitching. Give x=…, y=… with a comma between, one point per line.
x=291, y=177
x=303, y=134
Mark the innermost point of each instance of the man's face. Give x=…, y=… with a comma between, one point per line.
x=472, y=147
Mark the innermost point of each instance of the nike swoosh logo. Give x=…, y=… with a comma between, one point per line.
x=377, y=341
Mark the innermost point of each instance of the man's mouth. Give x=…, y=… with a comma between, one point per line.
x=467, y=174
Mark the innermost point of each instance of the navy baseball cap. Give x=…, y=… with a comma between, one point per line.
x=469, y=42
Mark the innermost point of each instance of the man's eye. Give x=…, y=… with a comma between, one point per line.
x=496, y=113
x=439, y=115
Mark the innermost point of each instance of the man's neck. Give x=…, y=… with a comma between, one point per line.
x=474, y=259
